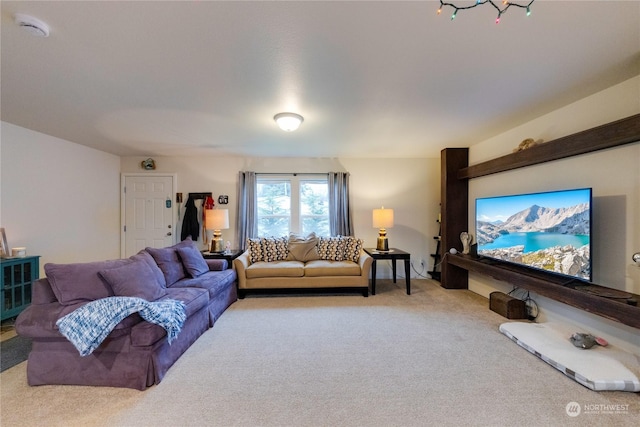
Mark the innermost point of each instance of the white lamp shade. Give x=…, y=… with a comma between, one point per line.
x=383, y=218
x=288, y=122
x=216, y=219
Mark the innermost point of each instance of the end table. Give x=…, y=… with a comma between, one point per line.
x=393, y=254
x=233, y=254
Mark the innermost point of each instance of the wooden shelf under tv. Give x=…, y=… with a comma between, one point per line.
x=455, y=176
x=555, y=287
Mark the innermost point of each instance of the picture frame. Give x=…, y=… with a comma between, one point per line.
x=4, y=248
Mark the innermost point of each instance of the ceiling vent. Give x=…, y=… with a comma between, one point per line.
x=32, y=25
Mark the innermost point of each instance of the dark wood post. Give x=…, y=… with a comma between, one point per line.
x=454, y=198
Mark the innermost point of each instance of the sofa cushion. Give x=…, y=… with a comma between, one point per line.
x=193, y=298
x=146, y=257
x=275, y=269
x=80, y=282
x=321, y=268
x=134, y=279
x=193, y=261
x=302, y=248
x=213, y=281
x=42, y=292
x=146, y=333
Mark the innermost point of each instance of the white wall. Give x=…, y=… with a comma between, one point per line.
x=62, y=200
x=59, y=199
x=410, y=186
x=613, y=174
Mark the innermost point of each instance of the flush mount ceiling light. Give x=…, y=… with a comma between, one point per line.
x=31, y=24
x=288, y=122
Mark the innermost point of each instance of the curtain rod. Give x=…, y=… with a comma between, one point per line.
x=292, y=173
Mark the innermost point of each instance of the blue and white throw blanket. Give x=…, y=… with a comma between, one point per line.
x=87, y=326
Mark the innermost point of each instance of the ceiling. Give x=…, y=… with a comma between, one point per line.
x=371, y=78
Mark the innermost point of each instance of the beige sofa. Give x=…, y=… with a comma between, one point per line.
x=331, y=264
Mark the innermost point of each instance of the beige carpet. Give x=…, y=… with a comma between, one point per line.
x=433, y=358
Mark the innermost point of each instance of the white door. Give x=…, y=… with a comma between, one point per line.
x=147, y=212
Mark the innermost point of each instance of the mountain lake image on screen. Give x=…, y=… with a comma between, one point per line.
x=548, y=231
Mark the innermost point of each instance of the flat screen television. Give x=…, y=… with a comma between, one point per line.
x=548, y=231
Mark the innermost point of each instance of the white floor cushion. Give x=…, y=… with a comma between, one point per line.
x=599, y=368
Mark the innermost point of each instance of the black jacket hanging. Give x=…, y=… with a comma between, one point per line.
x=190, y=224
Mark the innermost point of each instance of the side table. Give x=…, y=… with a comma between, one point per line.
x=393, y=254
x=235, y=253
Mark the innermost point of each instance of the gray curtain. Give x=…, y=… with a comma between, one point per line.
x=247, y=224
x=340, y=220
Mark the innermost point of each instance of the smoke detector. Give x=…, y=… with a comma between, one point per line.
x=32, y=25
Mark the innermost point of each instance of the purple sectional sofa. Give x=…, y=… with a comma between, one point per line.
x=136, y=353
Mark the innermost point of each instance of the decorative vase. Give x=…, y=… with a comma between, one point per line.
x=466, y=240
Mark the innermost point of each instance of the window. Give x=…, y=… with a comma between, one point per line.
x=293, y=203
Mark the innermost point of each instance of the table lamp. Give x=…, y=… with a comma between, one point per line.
x=382, y=219
x=216, y=220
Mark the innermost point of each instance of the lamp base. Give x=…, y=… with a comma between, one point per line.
x=217, y=244
x=383, y=244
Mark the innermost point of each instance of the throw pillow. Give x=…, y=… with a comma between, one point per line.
x=146, y=257
x=331, y=248
x=352, y=248
x=268, y=246
x=303, y=248
x=169, y=262
x=282, y=248
x=79, y=282
x=185, y=243
x=193, y=261
x=135, y=279
x=274, y=248
x=255, y=250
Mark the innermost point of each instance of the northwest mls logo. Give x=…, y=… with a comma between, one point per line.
x=573, y=409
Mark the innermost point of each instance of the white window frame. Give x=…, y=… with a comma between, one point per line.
x=295, y=180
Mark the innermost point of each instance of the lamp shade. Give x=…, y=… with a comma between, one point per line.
x=216, y=219
x=383, y=218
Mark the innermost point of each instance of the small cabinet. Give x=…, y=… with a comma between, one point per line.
x=16, y=280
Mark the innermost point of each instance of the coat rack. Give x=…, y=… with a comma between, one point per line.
x=200, y=196
x=191, y=222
